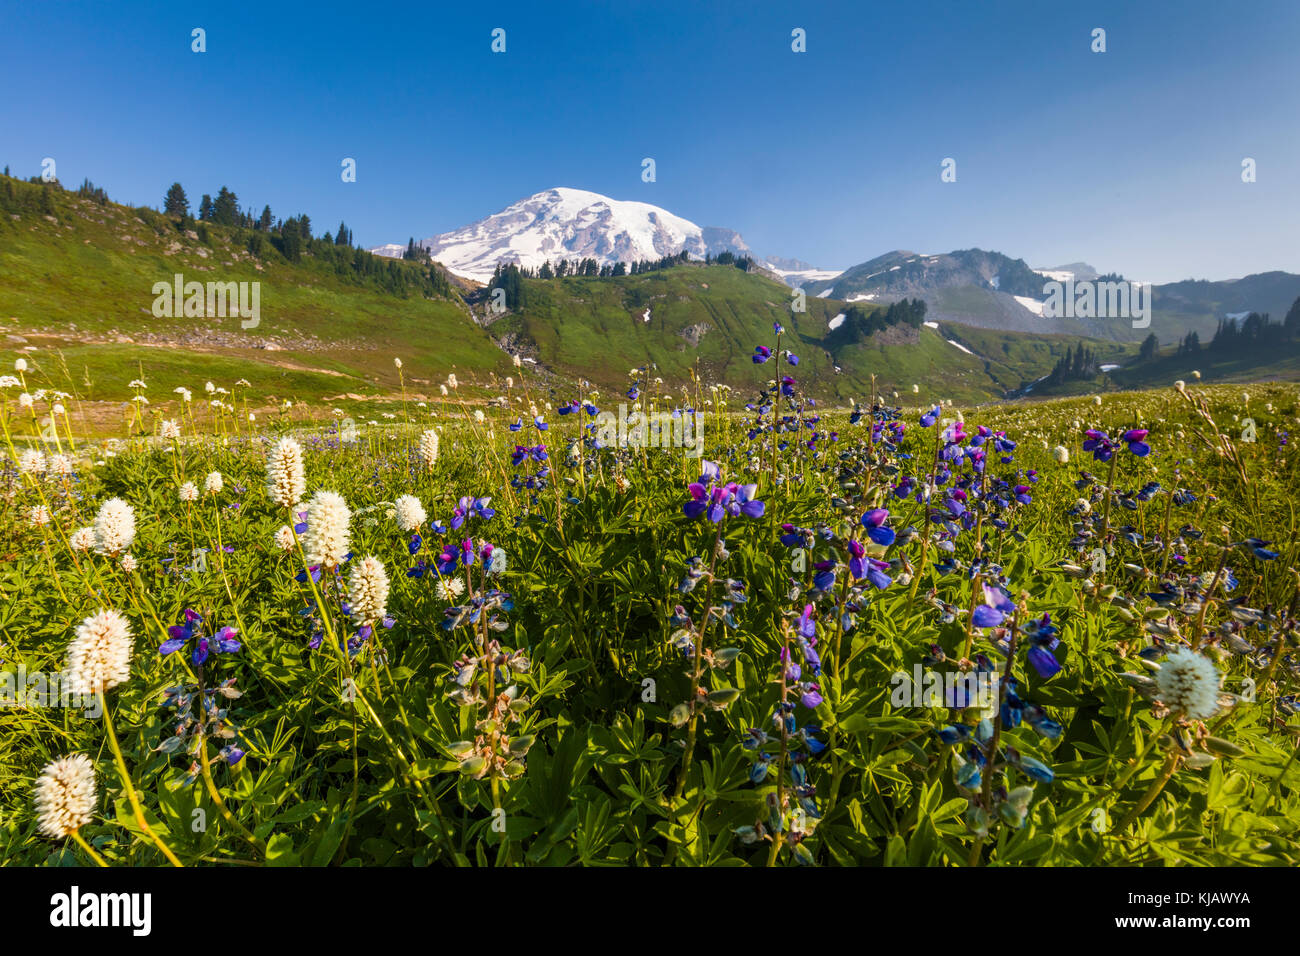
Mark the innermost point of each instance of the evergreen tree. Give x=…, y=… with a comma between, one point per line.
x=291, y=240
x=205, y=208
x=177, y=203
x=1150, y=345
x=1291, y=324
x=264, y=223
x=225, y=211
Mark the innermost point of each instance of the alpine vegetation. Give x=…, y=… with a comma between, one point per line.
x=503, y=627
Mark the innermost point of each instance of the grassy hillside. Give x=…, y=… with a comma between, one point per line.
x=80, y=281
x=715, y=315
x=77, y=275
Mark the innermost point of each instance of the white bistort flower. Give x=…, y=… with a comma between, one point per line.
x=1061, y=454
x=83, y=539
x=213, y=483
x=328, y=536
x=39, y=516
x=65, y=795
x=60, y=465
x=99, y=657
x=128, y=563
x=286, y=478
x=284, y=538
x=168, y=428
x=429, y=446
x=1188, y=683
x=114, y=527
x=410, y=514
x=31, y=462
x=368, y=591
x=450, y=589
x=188, y=492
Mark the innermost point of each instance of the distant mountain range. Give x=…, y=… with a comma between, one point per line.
x=333, y=317
x=971, y=287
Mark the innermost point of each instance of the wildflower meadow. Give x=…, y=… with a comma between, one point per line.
x=535, y=623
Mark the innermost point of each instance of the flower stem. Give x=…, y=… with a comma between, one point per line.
x=130, y=787
x=81, y=841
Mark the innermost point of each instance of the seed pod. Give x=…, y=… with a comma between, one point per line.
x=1224, y=748
x=726, y=655
x=718, y=699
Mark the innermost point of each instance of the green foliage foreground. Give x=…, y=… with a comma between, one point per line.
x=599, y=715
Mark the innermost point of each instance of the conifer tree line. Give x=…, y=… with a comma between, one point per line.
x=860, y=323
x=1077, y=364
x=1255, y=333
x=295, y=238
x=1190, y=344
x=593, y=268
x=261, y=234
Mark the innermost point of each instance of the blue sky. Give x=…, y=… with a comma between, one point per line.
x=1128, y=159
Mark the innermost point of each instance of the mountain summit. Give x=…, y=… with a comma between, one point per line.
x=565, y=223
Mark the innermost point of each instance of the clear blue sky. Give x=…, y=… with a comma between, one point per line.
x=1130, y=159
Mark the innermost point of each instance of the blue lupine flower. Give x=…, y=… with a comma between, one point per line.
x=1136, y=445
x=223, y=642
x=874, y=521
x=997, y=605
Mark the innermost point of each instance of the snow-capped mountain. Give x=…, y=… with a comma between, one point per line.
x=567, y=223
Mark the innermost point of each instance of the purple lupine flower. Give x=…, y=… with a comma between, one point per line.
x=810, y=698
x=876, y=574
x=1136, y=445
x=874, y=522
x=997, y=605
x=720, y=500
x=857, y=561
